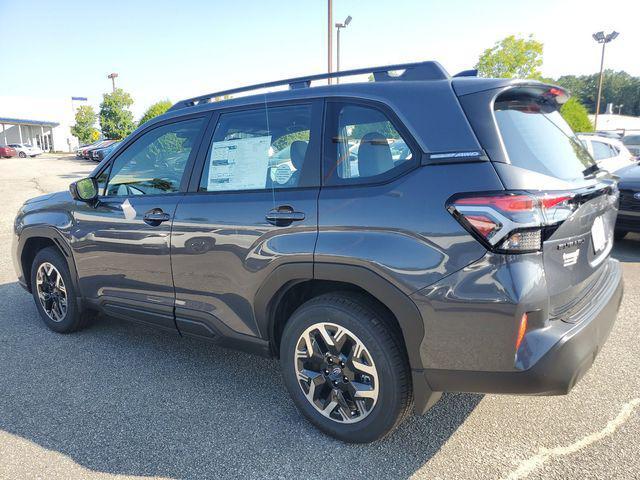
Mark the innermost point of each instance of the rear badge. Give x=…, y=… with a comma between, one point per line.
x=569, y=259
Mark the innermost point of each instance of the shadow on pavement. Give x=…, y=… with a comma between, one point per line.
x=123, y=399
x=628, y=249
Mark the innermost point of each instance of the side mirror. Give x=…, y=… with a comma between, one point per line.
x=85, y=189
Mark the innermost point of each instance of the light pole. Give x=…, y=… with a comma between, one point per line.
x=600, y=37
x=346, y=22
x=329, y=38
x=113, y=77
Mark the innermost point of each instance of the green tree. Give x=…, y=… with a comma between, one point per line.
x=512, y=57
x=155, y=110
x=576, y=115
x=84, y=130
x=116, y=120
x=618, y=88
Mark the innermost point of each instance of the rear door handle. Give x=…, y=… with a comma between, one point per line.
x=283, y=216
x=155, y=217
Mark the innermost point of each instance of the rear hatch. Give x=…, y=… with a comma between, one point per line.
x=573, y=210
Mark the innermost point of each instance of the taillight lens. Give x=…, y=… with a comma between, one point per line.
x=511, y=222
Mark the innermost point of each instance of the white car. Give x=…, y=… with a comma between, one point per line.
x=609, y=153
x=26, y=150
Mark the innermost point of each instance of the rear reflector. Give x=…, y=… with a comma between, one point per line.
x=522, y=329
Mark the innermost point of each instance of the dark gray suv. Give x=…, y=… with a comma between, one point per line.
x=387, y=240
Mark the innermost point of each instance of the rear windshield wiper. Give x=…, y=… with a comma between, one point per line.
x=591, y=170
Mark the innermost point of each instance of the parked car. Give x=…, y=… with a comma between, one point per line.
x=7, y=152
x=86, y=151
x=629, y=209
x=26, y=150
x=98, y=154
x=478, y=263
x=610, y=154
x=632, y=142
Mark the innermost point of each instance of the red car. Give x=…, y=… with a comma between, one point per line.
x=7, y=152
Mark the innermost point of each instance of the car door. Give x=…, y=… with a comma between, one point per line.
x=252, y=206
x=122, y=242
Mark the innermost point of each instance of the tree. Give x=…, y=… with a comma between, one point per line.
x=618, y=88
x=116, y=120
x=512, y=57
x=84, y=130
x=155, y=110
x=575, y=114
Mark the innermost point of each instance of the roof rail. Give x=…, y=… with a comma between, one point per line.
x=412, y=71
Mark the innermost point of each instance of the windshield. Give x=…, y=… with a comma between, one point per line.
x=537, y=138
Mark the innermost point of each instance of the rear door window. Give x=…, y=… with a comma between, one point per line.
x=601, y=151
x=363, y=145
x=537, y=138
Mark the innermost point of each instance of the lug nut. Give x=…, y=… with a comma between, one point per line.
x=330, y=360
x=345, y=379
x=335, y=383
x=342, y=364
x=353, y=413
x=326, y=371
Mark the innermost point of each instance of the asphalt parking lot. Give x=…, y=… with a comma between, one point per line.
x=123, y=401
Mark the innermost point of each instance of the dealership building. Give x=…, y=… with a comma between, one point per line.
x=42, y=122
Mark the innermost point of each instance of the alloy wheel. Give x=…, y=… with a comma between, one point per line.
x=52, y=292
x=336, y=372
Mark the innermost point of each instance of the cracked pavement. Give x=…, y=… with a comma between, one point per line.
x=123, y=401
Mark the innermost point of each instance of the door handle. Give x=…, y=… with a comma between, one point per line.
x=155, y=217
x=283, y=216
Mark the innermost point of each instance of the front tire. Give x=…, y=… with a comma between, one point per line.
x=345, y=367
x=22, y=155
x=54, y=292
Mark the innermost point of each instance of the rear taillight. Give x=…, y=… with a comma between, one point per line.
x=511, y=222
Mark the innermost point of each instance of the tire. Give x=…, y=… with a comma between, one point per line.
x=73, y=319
x=22, y=155
x=619, y=234
x=384, y=355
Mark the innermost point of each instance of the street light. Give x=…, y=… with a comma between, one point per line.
x=113, y=77
x=600, y=37
x=346, y=22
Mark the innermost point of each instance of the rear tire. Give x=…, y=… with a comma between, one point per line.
x=22, y=155
x=353, y=323
x=619, y=234
x=54, y=292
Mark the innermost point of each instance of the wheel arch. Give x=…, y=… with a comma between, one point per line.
x=34, y=239
x=289, y=286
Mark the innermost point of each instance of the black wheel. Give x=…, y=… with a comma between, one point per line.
x=54, y=293
x=22, y=155
x=619, y=234
x=346, y=368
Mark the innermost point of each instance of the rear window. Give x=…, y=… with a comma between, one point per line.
x=537, y=138
x=631, y=140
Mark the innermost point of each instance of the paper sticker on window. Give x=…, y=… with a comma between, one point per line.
x=239, y=164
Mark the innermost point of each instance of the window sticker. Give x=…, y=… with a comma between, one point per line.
x=239, y=164
x=281, y=174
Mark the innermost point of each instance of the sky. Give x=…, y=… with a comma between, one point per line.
x=182, y=48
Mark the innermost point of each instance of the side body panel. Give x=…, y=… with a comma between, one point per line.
x=124, y=264
x=401, y=230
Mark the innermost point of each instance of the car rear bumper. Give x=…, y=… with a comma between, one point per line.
x=557, y=369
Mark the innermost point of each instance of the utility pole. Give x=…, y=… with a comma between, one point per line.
x=346, y=22
x=329, y=38
x=113, y=77
x=600, y=37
